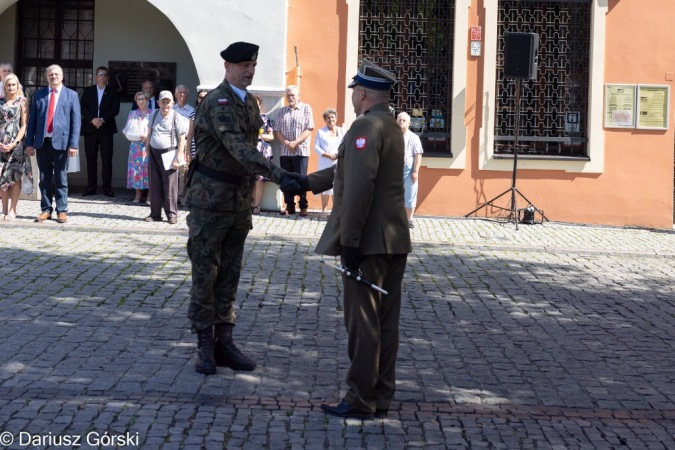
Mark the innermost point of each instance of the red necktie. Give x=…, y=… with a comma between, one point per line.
x=50, y=114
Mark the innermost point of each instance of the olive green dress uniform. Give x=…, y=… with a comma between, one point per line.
x=226, y=133
x=369, y=213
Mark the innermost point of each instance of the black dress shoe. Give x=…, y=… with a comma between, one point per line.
x=89, y=192
x=345, y=410
x=108, y=192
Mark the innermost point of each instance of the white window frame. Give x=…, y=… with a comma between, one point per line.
x=459, y=68
x=596, y=133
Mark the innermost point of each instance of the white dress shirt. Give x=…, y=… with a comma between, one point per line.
x=100, y=92
x=184, y=111
x=56, y=102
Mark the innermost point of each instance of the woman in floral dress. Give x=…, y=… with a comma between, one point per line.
x=137, y=174
x=14, y=165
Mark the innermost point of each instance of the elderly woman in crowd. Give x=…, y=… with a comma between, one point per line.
x=326, y=146
x=13, y=161
x=166, y=153
x=137, y=173
x=265, y=136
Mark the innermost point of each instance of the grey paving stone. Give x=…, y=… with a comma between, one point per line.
x=531, y=326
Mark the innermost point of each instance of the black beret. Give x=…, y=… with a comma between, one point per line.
x=240, y=52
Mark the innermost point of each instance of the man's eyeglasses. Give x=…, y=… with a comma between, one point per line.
x=102, y=74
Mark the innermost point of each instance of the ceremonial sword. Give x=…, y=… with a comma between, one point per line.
x=356, y=277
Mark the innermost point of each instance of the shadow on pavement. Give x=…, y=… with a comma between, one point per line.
x=106, y=312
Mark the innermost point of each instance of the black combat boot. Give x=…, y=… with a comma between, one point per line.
x=206, y=363
x=227, y=354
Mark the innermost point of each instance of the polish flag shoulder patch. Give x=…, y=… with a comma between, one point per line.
x=360, y=143
x=222, y=101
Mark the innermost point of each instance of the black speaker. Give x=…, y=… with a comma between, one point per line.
x=521, y=52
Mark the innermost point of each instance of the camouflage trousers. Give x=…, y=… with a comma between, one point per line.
x=215, y=248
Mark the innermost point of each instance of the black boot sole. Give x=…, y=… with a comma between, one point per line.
x=206, y=370
x=223, y=362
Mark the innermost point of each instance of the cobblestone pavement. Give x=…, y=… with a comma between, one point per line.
x=553, y=336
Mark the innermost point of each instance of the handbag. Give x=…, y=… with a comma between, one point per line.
x=26, y=184
x=136, y=128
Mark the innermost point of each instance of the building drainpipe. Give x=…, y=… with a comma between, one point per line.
x=298, y=72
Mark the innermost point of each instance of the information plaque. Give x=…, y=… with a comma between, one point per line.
x=652, y=109
x=128, y=76
x=620, y=105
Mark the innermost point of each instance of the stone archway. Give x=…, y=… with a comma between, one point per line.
x=4, y=4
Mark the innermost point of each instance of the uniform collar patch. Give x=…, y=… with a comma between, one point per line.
x=360, y=143
x=222, y=101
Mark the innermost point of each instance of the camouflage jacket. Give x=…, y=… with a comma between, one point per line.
x=226, y=135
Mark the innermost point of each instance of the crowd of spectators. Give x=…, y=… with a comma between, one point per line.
x=160, y=130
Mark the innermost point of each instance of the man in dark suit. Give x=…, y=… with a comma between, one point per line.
x=368, y=228
x=54, y=130
x=99, y=105
x=148, y=87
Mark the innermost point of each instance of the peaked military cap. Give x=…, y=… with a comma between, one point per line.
x=372, y=76
x=240, y=52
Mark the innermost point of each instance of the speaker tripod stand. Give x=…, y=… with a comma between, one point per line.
x=530, y=211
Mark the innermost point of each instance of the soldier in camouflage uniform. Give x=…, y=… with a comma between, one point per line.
x=221, y=181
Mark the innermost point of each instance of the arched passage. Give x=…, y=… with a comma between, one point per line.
x=124, y=30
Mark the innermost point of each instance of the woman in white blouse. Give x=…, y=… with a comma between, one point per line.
x=326, y=146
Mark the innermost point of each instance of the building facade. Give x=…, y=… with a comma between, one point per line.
x=580, y=159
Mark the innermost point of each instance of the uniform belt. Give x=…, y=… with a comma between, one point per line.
x=221, y=176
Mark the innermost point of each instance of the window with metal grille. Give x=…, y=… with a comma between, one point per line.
x=414, y=39
x=55, y=32
x=554, y=108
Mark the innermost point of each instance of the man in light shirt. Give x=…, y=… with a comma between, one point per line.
x=181, y=106
x=293, y=128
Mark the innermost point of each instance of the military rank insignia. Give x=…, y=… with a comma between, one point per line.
x=360, y=143
x=222, y=101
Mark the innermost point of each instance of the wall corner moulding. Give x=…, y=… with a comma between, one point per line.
x=4, y=4
x=241, y=17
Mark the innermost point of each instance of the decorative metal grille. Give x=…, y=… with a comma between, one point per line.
x=561, y=87
x=55, y=32
x=414, y=39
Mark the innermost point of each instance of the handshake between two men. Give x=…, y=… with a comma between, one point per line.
x=293, y=183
